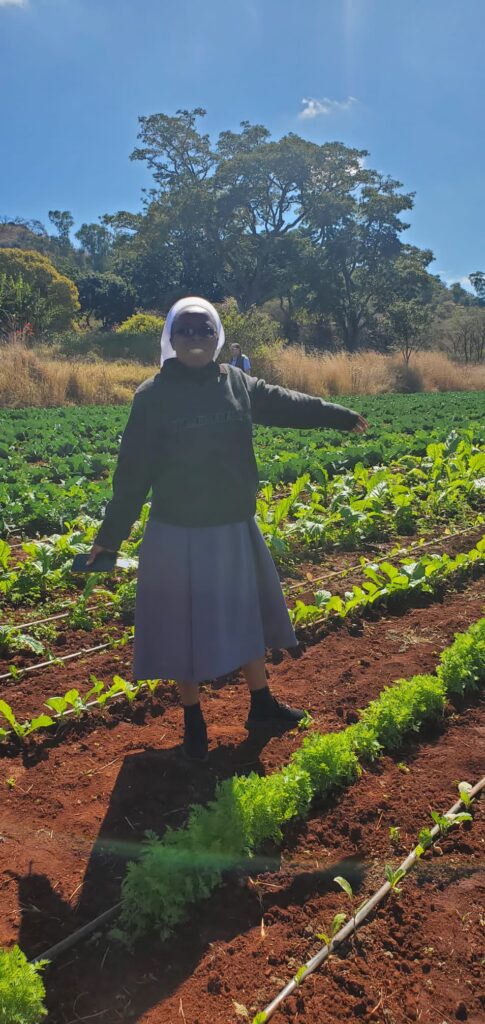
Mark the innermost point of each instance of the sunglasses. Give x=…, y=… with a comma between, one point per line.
x=200, y=332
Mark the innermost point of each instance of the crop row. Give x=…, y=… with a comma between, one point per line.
x=57, y=464
x=385, y=584
x=344, y=512
x=368, y=504
x=88, y=608
x=389, y=584
x=339, y=931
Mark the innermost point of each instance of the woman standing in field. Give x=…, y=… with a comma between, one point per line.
x=209, y=600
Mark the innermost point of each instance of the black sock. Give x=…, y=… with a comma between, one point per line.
x=193, y=718
x=262, y=700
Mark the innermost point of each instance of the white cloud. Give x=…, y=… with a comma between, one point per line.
x=450, y=279
x=13, y=3
x=314, y=108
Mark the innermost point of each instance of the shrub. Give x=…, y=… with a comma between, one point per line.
x=142, y=323
x=33, y=291
x=254, y=331
x=137, y=338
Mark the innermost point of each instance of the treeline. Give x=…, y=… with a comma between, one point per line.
x=307, y=234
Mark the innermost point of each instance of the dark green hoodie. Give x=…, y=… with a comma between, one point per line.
x=189, y=439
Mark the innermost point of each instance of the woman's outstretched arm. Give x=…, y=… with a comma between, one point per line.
x=274, y=406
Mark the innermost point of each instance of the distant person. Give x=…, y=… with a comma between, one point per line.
x=209, y=600
x=238, y=359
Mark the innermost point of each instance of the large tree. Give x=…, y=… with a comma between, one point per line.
x=95, y=241
x=231, y=215
x=259, y=219
x=477, y=280
x=105, y=296
x=63, y=221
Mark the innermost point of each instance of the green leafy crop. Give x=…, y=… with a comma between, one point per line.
x=21, y=989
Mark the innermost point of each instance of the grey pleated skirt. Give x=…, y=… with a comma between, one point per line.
x=208, y=601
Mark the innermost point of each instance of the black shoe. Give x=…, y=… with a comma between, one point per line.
x=274, y=715
x=195, y=748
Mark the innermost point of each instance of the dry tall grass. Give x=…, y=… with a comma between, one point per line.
x=27, y=379
x=369, y=373
x=30, y=379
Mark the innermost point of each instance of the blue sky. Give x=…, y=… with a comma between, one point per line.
x=405, y=81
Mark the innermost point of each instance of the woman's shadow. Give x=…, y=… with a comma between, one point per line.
x=154, y=790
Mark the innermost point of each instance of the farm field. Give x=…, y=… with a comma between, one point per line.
x=379, y=542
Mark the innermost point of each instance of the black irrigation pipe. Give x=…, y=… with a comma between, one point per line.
x=352, y=925
x=81, y=933
x=71, y=940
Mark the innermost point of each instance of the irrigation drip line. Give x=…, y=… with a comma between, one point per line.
x=304, y=585
x=92, y=650
x=51, y=618
x=54, y=661
x=71, y=940
x=60, y=715
x=352, y=925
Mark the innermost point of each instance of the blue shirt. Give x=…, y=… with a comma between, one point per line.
x=242, y=362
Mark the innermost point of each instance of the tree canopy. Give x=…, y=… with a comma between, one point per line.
x=32, y=290
x=311, y=227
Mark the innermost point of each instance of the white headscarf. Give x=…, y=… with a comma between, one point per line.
x=191, y=304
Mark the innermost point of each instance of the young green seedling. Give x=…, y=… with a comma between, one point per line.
x=57, y=704
x=464, y=789
x=96, y=689
x=345, y=885
x=152, y=684
x=306, y=721
x=393, y=877
x=130, y=690
x=260, y=1018
x=300, y=974
x=446, y=821
x=335, y=926
x=425, y=840
x=347, y=888
x=23, y=729
x=395, y=835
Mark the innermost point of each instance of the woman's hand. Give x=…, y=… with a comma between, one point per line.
x=97, y=549
x=361, y=426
